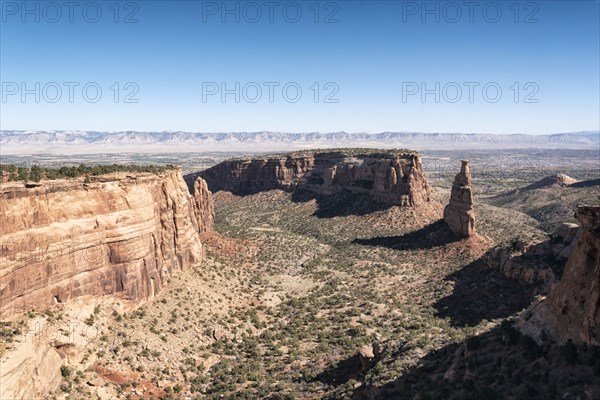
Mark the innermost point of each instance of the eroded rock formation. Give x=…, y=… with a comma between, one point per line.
x=572, y=308
x=369, y=354
x=121, y=235
x=389, y=177
x=523, y=262
x=204, y=207
x=568, y=233
x=459, y=213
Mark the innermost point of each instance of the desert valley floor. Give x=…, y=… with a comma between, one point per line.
x=306, y=298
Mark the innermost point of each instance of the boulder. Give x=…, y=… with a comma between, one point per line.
x=369, y=354
x=566, y=232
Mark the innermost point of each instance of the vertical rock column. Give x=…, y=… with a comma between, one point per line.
x=459, y=213
x=204, y=207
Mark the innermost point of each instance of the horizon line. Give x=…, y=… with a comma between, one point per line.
x=301, y=133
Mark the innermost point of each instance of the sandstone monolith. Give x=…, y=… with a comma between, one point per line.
x=459, y=213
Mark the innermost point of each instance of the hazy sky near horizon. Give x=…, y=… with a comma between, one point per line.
x=304, y=66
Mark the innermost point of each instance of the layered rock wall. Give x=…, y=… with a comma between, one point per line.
x=523, y=262
x=389, y=177
x=572, y=308
x=204, y=207
x=121, y=235
x=459, y=213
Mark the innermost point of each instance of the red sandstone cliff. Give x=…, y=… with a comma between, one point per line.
x=389, y=177
x=572, y=308
x=122, y=236
x=204, y=207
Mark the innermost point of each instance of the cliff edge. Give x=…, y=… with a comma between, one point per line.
x=391, y=177
x=120, y=235
x=571, y=311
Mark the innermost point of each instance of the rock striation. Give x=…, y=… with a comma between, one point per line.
x=120, y=235
x=204, y=207
x=459, y=214
x=572, y=308
x=393, y=177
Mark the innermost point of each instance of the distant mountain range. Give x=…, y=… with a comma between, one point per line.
x=12, y=141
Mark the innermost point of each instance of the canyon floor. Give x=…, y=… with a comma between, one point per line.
x=297, y=296
x=292, y=289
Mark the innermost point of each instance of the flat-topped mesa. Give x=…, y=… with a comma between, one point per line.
x=392, y=177
x=459, y=213
x=120, y=235
x=571, y=311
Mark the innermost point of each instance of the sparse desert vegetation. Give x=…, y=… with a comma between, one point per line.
x=286, y=298
x=35, y=173
x=302, y=297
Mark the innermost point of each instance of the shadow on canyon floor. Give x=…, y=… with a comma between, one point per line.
x=482, y=293
x=339, y=205
x=498, y=364
x=479, y=292
x=590, y=183
x=341, y=372
x=430, y=236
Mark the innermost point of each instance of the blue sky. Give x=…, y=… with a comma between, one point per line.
x=361, y=66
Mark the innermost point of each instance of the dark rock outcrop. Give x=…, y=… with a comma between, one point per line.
x=393, y=177
x=459, y=213
x=568, y=233
x=526, y=263
x=369, y=354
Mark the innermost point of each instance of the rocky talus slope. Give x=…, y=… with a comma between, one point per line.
x=459, y=214
x=392, y=177
x=572, y=309
x=117, y=235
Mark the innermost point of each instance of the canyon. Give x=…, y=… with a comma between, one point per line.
x=250, y=280
x=393, y=177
